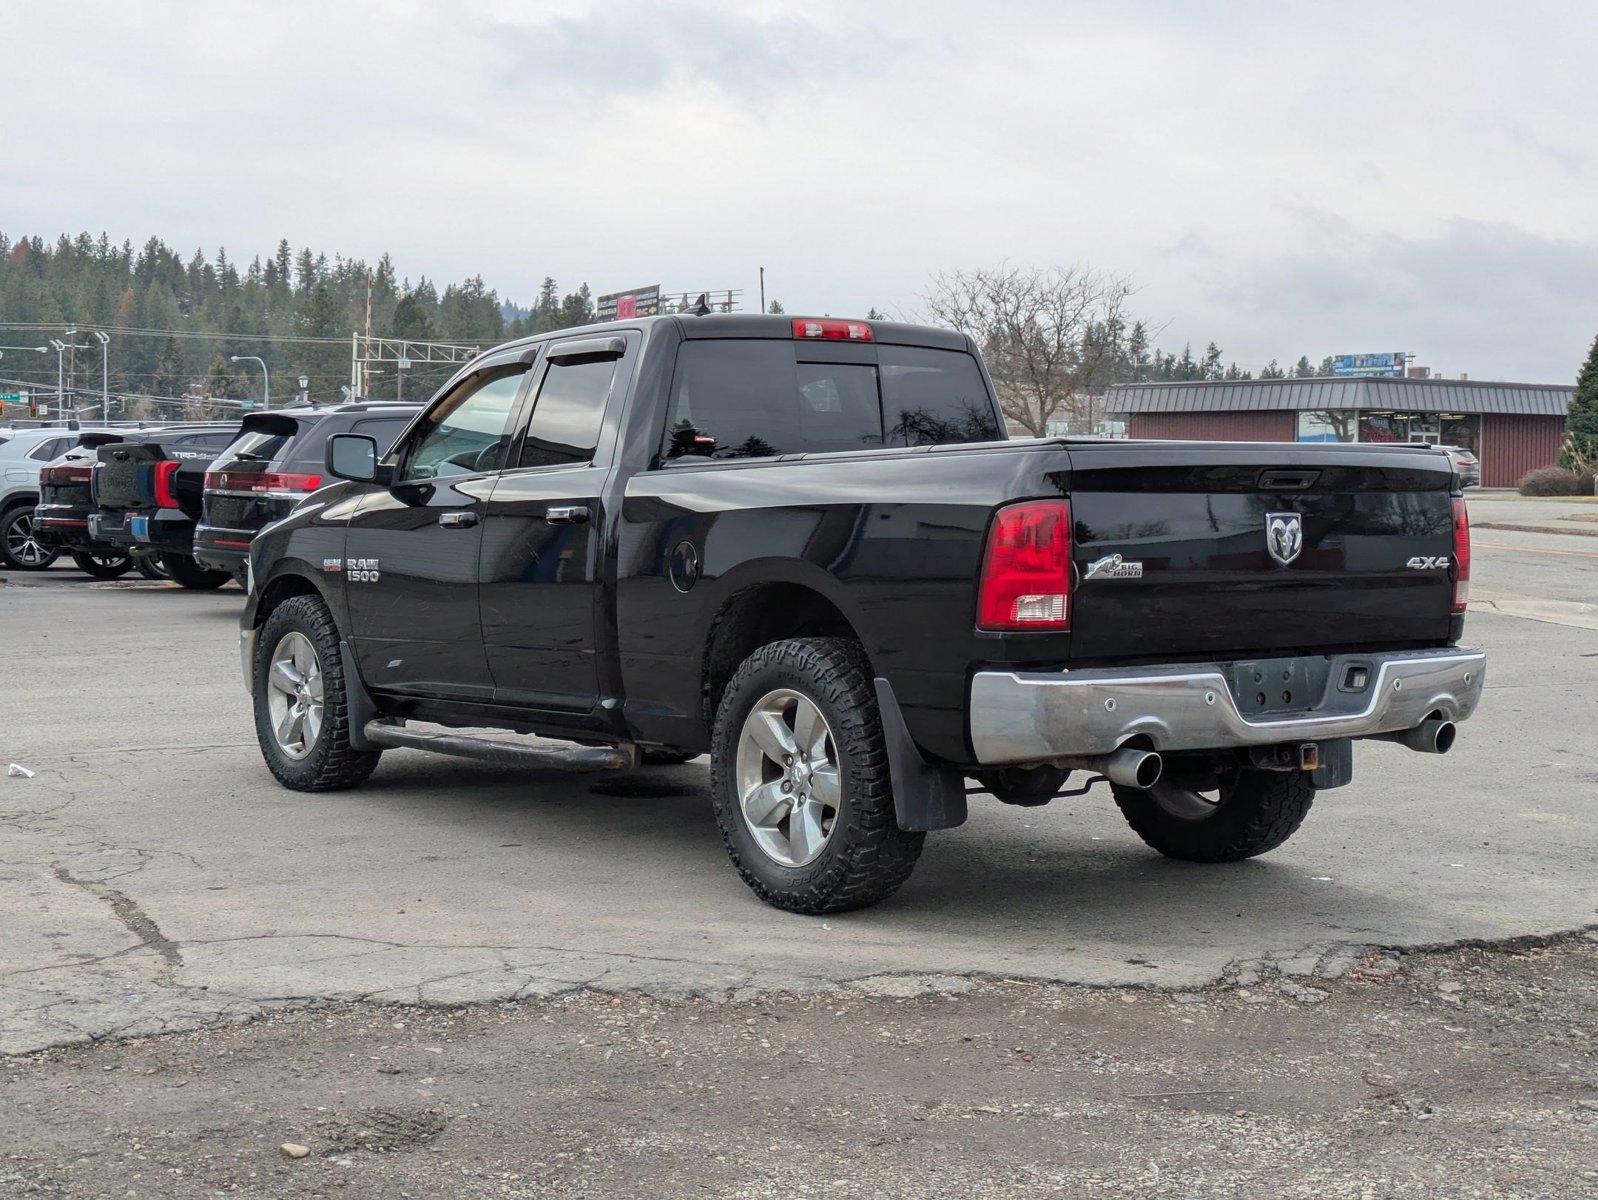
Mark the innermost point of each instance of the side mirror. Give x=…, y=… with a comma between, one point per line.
x=352, y=456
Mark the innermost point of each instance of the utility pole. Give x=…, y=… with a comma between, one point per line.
x=762, y=289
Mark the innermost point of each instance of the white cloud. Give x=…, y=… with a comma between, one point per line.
x=1283, y=178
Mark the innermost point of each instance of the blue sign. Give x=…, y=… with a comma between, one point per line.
x=1369, y=364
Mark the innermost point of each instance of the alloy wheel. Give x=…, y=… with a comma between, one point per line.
x=24, y=546
x=789, y=789
x=294, y=695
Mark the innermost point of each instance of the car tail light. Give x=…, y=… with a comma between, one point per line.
x=165, y=495
x=1461, y=555
x=56, y=476
x=1026, y=569
x=284, y=484
x=828, y=330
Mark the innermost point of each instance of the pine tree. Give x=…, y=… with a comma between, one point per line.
x=1581, y=423
x=1273, y=370
x=776, y=308
x=1302, y=369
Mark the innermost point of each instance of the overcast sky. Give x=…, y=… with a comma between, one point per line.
x=1283, y=178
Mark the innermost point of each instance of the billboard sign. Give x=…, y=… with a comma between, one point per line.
x=1369, y=364
x=623, y=306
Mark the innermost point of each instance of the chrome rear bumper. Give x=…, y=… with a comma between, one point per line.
x=1021, y=717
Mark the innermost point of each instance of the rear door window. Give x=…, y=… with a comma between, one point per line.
x=49, y=448
x=733, y=399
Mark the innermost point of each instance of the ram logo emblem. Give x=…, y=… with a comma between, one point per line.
x=1284, y=536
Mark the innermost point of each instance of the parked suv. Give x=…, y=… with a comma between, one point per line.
x=23, y=454
x=1466, y=465
x=275, y=463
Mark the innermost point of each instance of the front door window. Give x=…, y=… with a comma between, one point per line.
x=468, y=434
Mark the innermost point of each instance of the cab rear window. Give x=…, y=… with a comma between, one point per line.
x=752, y=399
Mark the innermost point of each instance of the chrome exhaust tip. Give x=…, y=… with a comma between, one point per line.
x=1133, y=768
x=1433, y=736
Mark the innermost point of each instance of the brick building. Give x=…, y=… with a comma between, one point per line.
x=1511, y=427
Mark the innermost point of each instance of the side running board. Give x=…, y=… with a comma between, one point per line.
x=508, y=749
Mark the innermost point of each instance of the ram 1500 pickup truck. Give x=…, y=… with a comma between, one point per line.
x=807, y=547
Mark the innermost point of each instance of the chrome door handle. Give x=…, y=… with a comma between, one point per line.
x=457, y=520
x=568, y=514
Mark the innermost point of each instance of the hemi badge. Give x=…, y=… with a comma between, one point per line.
x=332, y=564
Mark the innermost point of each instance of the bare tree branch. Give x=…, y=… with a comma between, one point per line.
x=1045, y=332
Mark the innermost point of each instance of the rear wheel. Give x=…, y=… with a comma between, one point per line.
x=23, y=546
x=1219, y=816
x=102, y=566
x=301, y=707
x=149, y=565
x=799, y=778
x=184, y=571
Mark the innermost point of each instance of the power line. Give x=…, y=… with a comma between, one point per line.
x=84, y=327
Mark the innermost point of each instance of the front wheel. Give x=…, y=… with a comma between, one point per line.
x=23, y=547
x=185, y=572
x=800, y=783
x=101, y=566
x=301, y=707
x=1218, y=816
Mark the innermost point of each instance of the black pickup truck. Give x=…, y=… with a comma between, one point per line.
x=807, y=547
x=148, y=497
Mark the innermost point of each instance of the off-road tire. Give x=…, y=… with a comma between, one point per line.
x=98, y=568
x=12, y=515
x=867, y=856
x=185, y=572
x=1258, y=811
x=333, y=764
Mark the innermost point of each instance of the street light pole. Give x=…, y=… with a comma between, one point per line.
x=105, y=375
x=266, y=382
x=60, y=358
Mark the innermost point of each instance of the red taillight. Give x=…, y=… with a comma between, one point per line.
x=165, y=495
x=831, y=331
x=261, y=483
x=1461, y=555
x=1026, y=570
x=55, y=476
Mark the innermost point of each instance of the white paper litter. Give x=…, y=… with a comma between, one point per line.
x=18, y=771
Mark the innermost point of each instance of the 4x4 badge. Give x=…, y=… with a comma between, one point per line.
x=1284, y=536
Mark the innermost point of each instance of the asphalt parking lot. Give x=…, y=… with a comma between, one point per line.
x=154, y=878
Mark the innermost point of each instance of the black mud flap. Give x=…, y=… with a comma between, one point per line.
x=358, y=703
x=925, y=797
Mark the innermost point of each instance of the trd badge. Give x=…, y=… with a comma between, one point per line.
x=1284, y=536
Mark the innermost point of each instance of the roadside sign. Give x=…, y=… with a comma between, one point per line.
x=13, y=397
x=1369, y=364
x=624, y=306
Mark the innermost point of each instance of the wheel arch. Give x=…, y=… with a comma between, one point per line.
x=757, y=613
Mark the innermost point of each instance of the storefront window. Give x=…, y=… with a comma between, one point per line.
x=1436, y=429
x=1327, y=426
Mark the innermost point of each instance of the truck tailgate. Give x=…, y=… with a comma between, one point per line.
x=125, y=477
x=1239, y=550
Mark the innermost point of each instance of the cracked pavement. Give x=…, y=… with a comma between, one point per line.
x=153, y=877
